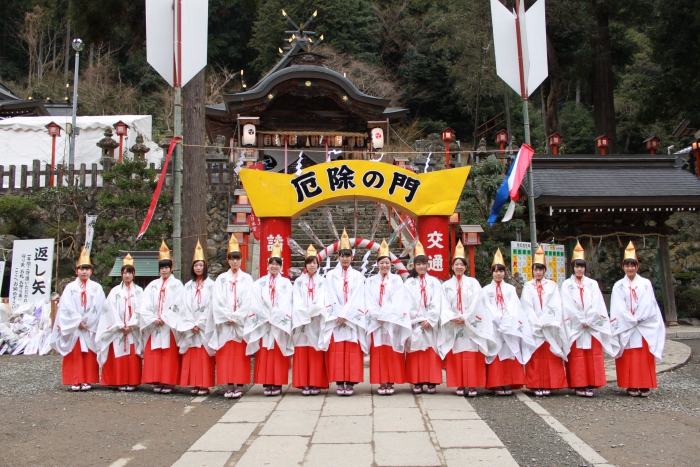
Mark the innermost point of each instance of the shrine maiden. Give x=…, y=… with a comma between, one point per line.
x=270, y=321
x=230, y=305
x=73, y=334
x=197, y=369
x=637, y=323
x=309, y=333
x=541, y=302
x=346, y=291
x=505, y=369
x=587, y=327
x=422, y=300
x=119, y=345
x=386, y=364
x=159, y=327
x=465, y=337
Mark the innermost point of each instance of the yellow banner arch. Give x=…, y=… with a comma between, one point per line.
x=282, y=195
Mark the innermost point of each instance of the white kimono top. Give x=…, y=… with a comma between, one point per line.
x=477, y=334
x=270, y=317
x=81, y=302
x=420, y=299
x=512, y=328
x=634, y=313
x=194, y=307
x=161, y=300
x=345, y=289
x=378, y=292
x=118, y=312
x=310, y=312
x=230, y=302
x=541, y=302
x=582, y=303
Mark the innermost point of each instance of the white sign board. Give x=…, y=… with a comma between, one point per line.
x=533, y=31
x=2, y=273
x=163, y=41
x=89, y=231
x=30, y=279
x=554, y=255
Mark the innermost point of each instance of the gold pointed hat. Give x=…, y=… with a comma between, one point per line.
x=344, y=242
x=459, y=251
x=128, y=260
x=276, y=250
x=498, y=259
x=311, y=252
x=198, y=253
x=233, y=245
x=578, y=252
x=418, y=249
x=383, y=249
x=539, y=256
x=164, y=252
x=84, y=259
x=630, y=253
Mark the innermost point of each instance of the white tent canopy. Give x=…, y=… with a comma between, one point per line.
x=24, y=139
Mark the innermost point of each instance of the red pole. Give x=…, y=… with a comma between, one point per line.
x=472, y=267
x=502, y=148
x=555, y=149
x=652, y=151
x=602, y=151
x=328, y=159
x=285, y=154
x=53, y=157
x=447, y=154
x=121, y=143
x=452, y=228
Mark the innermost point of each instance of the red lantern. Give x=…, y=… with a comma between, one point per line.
x=652, y=144
x=554, y=142
x=54, y=132
x=448, y=135
x=696, y=148
x=121, y=128
x=502, y=139
x=471, y=236
x=602, y=142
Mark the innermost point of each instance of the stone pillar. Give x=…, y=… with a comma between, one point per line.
x=271, y=227
x=107, y=145
x=433, y=234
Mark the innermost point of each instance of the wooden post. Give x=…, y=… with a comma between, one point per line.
x=36, y=168
x=93, y=176
x=71, y=174
x=23, y=177
x=11, y=178
x=2, y=177
x=82, y=175
x=670, y=315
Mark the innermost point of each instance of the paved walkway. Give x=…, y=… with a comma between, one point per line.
x=369, y=430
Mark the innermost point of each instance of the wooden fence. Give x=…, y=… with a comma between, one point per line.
x=219, y=176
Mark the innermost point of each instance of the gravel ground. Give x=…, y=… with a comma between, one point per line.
x=661, y=430
x=528, y=438
x=43, y=424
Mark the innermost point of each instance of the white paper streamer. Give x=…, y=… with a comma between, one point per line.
x=365, y=260
x=377, y=160
x=239, y=163
x=301, y=157
x=427, y=161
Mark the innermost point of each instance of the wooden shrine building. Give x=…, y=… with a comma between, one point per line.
x=301, y=105
x=598, y=195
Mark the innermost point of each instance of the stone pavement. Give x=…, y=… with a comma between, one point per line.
x=369, y=430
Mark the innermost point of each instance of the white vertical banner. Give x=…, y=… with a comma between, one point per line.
x=30, y=278
x=89, y=231
x=2, y=273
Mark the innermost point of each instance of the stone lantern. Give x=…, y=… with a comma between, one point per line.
x=108, y=145
x=139, y=149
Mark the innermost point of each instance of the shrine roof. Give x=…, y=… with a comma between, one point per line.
x=637, y=181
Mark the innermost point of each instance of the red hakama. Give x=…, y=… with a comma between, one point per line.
x=545, y=370
x=386, y=365
x=197, y=368
x=345, y=362
x=586, y=367
x=505, y=373
x=309, y=368
x=232, y=364
x=122, y=371
x=271, y=367
x=636, y=368
x=465, y=369
x=423, y=367
x=161, y=366
x=80, y=367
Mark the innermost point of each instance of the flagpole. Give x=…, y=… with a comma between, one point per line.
x=526, y=119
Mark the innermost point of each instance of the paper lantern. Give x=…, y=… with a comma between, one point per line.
x=248, y=134
x=377, y=138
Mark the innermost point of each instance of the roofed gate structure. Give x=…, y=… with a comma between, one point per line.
x=614, y=195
